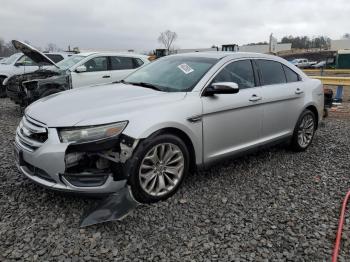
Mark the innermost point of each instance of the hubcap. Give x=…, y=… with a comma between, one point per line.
x=161, y=169
x=306, y=131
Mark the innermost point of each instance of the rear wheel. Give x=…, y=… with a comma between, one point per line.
x=157, y=168
x=304, y=131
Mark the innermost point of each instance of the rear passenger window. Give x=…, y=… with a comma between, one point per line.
x=137, y=62
x=240, y=72
x=121, y=63
x=96, y=64
x=271, y=72
x=290, y=74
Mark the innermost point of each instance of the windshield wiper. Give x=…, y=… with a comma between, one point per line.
x=119, y=81
x=146, y=85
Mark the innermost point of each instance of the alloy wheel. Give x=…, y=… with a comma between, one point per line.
x=161, y=169
x=306, y=131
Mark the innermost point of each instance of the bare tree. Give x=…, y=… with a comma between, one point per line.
x=167, y=38
x=52, y=48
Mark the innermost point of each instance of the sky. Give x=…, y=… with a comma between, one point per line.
x=136, y=24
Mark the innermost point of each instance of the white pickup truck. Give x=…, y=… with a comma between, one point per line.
x=303, y=63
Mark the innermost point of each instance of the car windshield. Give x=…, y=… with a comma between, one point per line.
x=68, y=63
x=172, y=73
x=10, y=60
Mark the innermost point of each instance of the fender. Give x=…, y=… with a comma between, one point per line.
x=319, y=112
x=196, y=141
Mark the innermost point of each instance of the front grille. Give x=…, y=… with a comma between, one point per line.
x=86, y=180
x=31, y=134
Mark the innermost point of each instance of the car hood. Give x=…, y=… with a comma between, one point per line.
x=97, y=105
x=32, y=53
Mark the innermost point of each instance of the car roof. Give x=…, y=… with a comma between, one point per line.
x=223, y=54
x=113, y=54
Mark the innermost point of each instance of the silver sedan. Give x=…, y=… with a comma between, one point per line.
x=163, y=121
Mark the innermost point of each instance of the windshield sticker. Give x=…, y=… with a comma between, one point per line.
x=185, y=68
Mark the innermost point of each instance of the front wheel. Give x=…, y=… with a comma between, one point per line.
x=304, y=131
x=157, y=168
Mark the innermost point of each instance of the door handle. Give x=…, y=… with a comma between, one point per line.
x=106, y=76
x=255, y=98
x=298, y=91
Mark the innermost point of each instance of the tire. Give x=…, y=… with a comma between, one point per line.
x=304, y=131
x=147, y=174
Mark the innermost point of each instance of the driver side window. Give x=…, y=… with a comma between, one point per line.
x=240, y=72
x=96, y=64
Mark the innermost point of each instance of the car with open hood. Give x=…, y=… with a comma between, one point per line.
x=83, y=69
x=26, y=62
x=164, y=120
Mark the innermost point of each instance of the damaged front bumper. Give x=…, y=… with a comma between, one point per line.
x=89, y=168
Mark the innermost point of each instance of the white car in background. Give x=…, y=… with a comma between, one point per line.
x=303, y=63
x=94, y=68
x=19, y=63
x=83, y=69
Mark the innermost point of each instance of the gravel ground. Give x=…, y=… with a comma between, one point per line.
x=271, y=206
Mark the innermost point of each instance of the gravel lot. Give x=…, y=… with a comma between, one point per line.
x=271, y=206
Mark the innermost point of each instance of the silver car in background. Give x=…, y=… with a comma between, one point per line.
x=165, y=120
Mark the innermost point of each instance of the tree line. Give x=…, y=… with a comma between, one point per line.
x=7, y=49
x=305, y=42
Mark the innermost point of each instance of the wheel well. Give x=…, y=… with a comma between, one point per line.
x=179, y=133
x=313, y=109
x=2, y=78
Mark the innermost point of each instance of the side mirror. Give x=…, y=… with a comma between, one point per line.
x=221, y=88
x=19, y=64
x=81, y=69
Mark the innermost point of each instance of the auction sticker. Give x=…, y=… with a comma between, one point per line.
x=185, y=68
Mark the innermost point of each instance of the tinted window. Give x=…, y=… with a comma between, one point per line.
x=271, y=72
x=240, y=72
x=55, y=58
x=121, y=63
x=96, y=64
x=137, y=62
x=290, y=74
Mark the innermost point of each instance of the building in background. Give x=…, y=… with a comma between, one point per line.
x=340, y=44
x=265, y=48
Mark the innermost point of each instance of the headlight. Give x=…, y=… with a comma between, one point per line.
x=93, y=133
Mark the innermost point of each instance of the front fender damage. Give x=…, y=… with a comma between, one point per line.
x=98, y=160
x=115, y=207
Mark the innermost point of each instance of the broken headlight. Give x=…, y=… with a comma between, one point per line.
x=30, y=85
x=91, y=133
